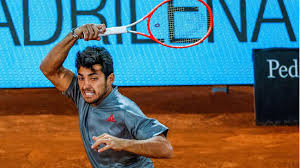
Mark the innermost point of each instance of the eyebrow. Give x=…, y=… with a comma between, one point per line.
x=91, y=74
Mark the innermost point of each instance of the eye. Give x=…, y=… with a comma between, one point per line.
x=94, y=79
x=80, y=78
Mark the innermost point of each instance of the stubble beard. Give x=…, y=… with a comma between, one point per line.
x=100, y=97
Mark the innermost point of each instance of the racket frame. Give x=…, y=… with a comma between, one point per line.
x=124, y=29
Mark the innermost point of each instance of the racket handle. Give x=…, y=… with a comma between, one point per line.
x=114, y=30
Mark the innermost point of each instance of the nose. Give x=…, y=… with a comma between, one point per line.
x=86, y=84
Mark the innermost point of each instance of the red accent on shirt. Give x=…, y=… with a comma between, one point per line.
x=111, y=118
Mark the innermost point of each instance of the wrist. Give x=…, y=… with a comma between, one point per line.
x=127, y=143
x=75, y=33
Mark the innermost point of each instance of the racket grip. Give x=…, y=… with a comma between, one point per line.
x=114, y=30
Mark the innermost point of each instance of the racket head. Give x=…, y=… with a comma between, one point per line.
x=188, y=24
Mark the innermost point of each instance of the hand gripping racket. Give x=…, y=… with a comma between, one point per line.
x=174, y=23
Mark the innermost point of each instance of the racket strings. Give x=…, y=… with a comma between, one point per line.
x=186, y=22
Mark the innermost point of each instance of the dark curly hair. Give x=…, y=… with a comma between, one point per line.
x=95, y=55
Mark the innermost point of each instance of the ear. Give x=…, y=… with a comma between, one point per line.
x=111, y=79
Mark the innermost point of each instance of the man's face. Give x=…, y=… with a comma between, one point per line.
x=93, y=85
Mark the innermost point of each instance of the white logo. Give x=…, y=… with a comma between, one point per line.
x=283, y=70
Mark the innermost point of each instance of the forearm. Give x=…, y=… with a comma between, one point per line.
x=55, y=58
x=157, y=147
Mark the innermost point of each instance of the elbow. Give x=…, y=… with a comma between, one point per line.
x=162, y=149
x=44, y=70
x=46, y=73
x=169, y=151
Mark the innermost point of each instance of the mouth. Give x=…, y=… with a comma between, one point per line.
x=89, y=94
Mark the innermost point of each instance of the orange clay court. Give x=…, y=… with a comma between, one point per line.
x=39, y=129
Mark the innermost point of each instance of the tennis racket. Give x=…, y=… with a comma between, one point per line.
x=174, y=23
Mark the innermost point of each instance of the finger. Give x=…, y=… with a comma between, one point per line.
x=94, y=138
x=101, y=27
x=96, y=144
x=85, y=33
x=99, y=142
x=96, y=32
x=91, y=32
x=105, y=148
x=98, y=137
x=78, y=32
x=101, y=136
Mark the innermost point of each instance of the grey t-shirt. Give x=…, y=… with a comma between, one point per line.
x=118, y=116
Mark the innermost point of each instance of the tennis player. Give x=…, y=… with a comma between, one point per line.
x=114, y=130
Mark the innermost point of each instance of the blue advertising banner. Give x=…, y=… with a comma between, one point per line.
x=30, y=28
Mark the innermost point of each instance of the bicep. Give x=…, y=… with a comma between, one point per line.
x=61, y=79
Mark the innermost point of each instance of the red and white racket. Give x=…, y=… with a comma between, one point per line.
x=174, y=23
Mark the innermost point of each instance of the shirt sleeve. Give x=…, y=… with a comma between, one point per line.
x=73, y=90
x=142, y=127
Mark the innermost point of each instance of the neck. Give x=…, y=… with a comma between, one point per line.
x=105, y=94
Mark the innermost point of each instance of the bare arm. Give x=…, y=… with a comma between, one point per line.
x=52, y=67
x=157, y=147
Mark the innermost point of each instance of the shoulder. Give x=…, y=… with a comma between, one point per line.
x=127, y=105
x=73, y=90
